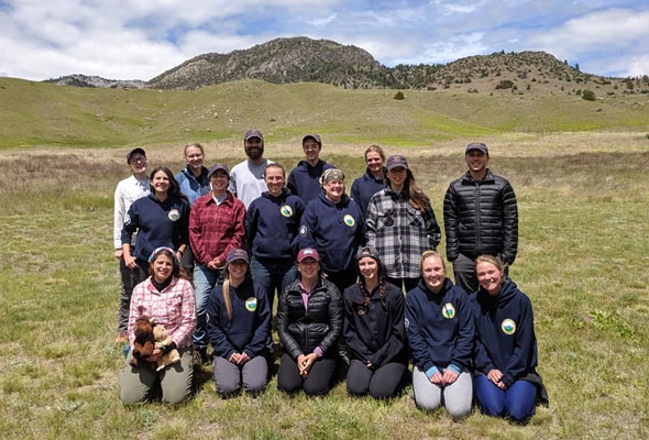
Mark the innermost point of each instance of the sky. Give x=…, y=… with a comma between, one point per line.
x=139, y=39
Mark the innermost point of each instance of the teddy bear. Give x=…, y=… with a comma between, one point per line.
x=162, y=341
x=144, y=343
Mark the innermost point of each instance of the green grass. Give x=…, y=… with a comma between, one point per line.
x=582, y=260
x=40, y=114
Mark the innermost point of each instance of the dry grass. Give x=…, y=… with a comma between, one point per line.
x=582, y=260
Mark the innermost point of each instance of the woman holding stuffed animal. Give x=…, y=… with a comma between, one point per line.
x=238, y=325
x=167, y=298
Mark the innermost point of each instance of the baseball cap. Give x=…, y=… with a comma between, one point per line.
x=253, y=134
x=315, y=137
x=137, y=150
x=217, y=167
x=396, y=161
x=237, y=254
x=477, y=146
x=367, y=252
x=307, y=253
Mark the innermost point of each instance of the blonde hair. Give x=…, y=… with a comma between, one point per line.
x=226, y=295
x=428, y=254
x=376, y=149
x=194, y=144
x=492, y=260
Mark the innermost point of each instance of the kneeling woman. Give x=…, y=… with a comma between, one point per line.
x=374, y=331
x=506, y=381
x=238, y=326
x=168, y=298
x=440, y=334
x=309, y=323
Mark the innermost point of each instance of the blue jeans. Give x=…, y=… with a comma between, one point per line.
x=204, y=281
x=272, y=276
x=517, y=401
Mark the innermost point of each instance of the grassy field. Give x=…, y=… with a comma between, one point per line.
x=579, y=169
x=582, y=260
x=34, y=114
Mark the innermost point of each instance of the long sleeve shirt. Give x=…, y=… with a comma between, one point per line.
x=127, y=191
x=174, y=307
x=440, y=326
x=215, y=230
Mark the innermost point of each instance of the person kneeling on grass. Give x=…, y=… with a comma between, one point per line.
x=309, y=323
x=168, y=298
x=374, y=331
x=505, y=359
x=440, y=334
x=238, y=325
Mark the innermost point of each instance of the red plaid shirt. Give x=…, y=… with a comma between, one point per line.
x=174, y=307
x=214, y=230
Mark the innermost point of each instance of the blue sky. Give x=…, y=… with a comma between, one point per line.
x=136, y=39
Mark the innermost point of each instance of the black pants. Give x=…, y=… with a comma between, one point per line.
x=319, y=381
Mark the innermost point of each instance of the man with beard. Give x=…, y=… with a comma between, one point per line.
x=247, y=178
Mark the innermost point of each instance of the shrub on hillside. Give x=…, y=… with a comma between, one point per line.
x=399, y=95
x=505, y=84
x=588, y=95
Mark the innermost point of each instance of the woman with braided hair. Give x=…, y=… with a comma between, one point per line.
x=373, y=331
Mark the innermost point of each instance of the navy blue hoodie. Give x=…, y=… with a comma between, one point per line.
x=336, y=230
x=273, y=224
x=304, y=180
x=505, y=337
x=364, y=188
x=440, y=326
x=249, y=328
x=157, y=224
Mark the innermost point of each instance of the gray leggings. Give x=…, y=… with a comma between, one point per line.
x=229, y=377
x=456, y=398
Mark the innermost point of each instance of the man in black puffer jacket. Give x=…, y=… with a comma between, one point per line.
x=480, y=217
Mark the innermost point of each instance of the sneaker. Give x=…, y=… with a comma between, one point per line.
x=121, y=338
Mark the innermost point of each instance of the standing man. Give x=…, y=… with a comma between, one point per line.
x=128, y=191
x=304, y=179
x=247, y=178
x=216, y=227
x=480, y=217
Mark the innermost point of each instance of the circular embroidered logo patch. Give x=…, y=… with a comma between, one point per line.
x=349, y=220
x=286, y=211
x=448, y=311
x=251, y=304
x=508, y=326
x=173, y=215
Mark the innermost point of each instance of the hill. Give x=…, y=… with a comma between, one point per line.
x=301, y=59
x=50, y=115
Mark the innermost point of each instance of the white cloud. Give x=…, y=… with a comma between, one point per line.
x=139, y=39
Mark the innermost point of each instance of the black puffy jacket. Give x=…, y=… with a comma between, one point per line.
x=481, y=217
x=302, y=330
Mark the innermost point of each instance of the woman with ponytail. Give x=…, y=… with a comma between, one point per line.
x=374, y=331
x=238, y=325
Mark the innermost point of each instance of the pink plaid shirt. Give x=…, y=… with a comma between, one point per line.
x=174, y=307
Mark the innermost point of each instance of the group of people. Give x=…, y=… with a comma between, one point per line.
x=217, y=244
